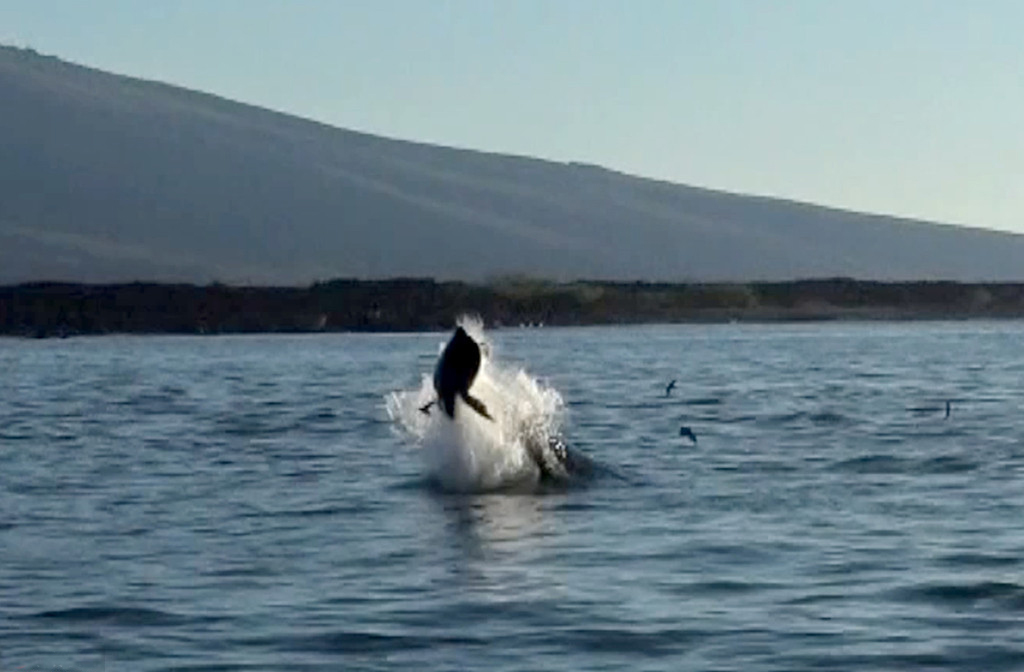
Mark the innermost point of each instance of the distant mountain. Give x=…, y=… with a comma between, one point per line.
x=105, y=178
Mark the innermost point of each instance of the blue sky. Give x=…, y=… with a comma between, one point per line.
x=906, y=107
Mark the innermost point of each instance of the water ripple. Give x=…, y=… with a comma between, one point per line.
x=241, y=503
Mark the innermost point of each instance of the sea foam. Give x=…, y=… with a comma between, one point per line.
x=471, y=453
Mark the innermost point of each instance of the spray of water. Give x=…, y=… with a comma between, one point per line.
x=471, y=453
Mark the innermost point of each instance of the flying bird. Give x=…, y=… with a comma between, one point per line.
x=671, y=386
x=687, y=432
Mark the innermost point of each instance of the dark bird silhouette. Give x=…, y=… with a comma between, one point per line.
x=671, y=386
x=947, y=408
x=687, y=432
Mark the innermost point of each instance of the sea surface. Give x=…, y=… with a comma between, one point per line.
x=243, y=503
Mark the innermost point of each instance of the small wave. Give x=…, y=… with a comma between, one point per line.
x=165, y=401
x=875, y=464
x=912, y=661
x=645, y=643
x=122, y=616
x=213, y=667
x=703, y=401
x=816, y=598
x=248, y=425
x=737, y=419
x=359, y=642
x=782, y=418
x=11, y=435
x=634, y=405
x=948, y=464
x=724, y=587
x=1007, y=594
x=319, y=415
x=979, y=559
x=892, y=464
x=355, y=509
x=826, y=418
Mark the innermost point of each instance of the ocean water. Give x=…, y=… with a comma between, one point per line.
x=249, y=503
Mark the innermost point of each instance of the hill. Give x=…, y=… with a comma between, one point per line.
x=105, y=178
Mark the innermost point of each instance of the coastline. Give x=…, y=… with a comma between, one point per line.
x=56, y=309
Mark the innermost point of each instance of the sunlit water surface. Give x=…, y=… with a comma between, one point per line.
x=245, y=503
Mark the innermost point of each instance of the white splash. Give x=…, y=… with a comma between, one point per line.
x=472, y=453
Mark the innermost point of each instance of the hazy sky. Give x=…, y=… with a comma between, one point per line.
x=907, y=107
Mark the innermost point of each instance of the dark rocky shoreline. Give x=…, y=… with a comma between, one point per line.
x=66, y=309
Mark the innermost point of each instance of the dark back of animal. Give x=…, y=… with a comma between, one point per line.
x=456, y=370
